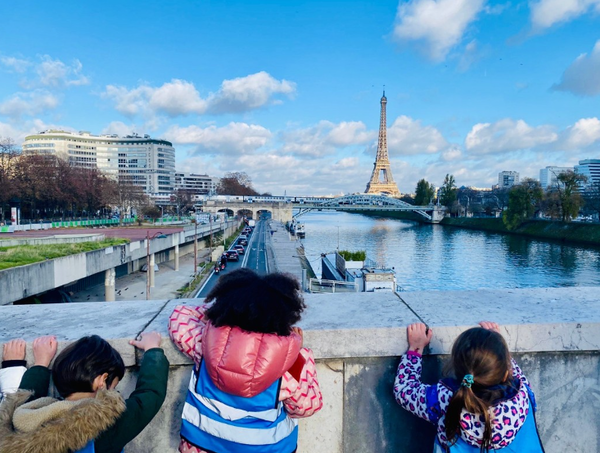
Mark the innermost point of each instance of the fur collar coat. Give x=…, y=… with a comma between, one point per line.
x=48, y=425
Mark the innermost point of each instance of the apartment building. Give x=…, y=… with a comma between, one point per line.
x=549, y=175
x=143, y=161
x=196, y=184
x=508, y=179
x=589, y=168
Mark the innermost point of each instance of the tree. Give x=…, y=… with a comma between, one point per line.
x=151, y=212
x=569, y=198
x=236, y=183
x=523, y=202
x=423, y=193
x=8, y=158
x=448, y=191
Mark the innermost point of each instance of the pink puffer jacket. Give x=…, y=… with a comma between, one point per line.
x=246, y=363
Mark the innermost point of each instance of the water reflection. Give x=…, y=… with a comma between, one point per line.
x=432, y=257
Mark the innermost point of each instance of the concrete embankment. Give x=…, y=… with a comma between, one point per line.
x=573, y=232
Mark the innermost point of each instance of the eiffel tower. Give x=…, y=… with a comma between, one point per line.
x=381, y=179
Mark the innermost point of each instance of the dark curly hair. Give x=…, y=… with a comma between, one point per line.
x=269, y=303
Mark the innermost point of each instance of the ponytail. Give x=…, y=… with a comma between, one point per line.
x=465, y=398
x=482, y=357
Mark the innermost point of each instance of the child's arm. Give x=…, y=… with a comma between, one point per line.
x=302, y=398
x=186, y=328
x=13, y=366
x=37, y=378
x=145, y=401
x=419, y=399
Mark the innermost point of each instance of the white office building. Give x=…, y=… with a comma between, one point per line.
x=591, y=169
x=549, y=175
x=143, y=161
x=196, y=184
x=507, y=179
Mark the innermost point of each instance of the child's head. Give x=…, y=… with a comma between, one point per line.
x=480, y=361
x=269, y=303
x=86, y=365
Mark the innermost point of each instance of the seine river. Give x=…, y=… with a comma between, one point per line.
x=432, y=257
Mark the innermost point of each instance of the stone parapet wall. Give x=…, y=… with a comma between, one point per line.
x=357, y=338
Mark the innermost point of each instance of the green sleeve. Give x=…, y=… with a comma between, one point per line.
x=143, y=404
x=36, y=379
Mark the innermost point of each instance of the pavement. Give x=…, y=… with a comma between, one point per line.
x=133, y=286
x=284, y=247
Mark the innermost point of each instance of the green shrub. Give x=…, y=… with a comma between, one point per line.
x=359, y=255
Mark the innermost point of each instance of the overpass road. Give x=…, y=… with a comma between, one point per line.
x=255, y=257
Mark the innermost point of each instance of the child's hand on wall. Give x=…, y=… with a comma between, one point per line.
x=487, y=325
x=14, y=350
x=419, y=336
x=299, y=331
x=147, y=341
x=44, y=350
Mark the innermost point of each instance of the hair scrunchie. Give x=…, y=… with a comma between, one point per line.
x=467, y=381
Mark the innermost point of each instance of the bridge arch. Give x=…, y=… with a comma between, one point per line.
x=248, y=213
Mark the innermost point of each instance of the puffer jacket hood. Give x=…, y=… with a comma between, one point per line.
x=47, y=425
x=246, y=363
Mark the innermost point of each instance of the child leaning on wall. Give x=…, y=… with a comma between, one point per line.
x=485, y=403
x=252, y=378
x=90, y=416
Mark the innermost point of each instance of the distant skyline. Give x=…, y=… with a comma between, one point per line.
x=288, y=92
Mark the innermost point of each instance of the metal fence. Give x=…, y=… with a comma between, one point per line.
x=316, y=285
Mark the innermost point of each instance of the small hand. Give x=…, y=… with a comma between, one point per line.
x=487, y=325
x=148, y=340
x=44, y=350
x=419, y=336
x=299, y=331
x=14, y=350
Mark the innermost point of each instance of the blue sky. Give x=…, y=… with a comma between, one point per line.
x=288, y=91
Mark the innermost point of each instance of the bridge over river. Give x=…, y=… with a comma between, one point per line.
x=283, y=211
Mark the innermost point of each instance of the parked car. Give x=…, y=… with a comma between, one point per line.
x=232, y=255
x=239, y=248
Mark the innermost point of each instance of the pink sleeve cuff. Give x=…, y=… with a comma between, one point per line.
x=418, y=354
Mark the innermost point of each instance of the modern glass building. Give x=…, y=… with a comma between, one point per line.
x=143, y=161
x=508, y=179
x=589, y=168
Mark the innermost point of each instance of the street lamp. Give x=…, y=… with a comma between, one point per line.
x=338, y=247
x=150, y=266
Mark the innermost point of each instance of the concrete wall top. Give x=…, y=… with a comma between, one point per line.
x=348, y=325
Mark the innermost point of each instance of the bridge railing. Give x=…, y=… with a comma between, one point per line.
x=316, y=285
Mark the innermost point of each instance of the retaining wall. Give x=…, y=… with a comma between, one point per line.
x=357, y=339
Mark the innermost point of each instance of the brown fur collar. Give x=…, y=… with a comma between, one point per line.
x=69, y=429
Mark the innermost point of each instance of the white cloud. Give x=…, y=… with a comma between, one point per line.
x=15, y=64
x=581, y=77
x=30, y=103
x=324, y=138
x=546, y=13
x=180, y=97
x=17, y=131
x=438, y=25
x=177, y=98
x=584, y=133
x=233, y=139
x=120, y=128
x=507, y=135
x=56, y=74
x=248, y=93
x=407, y=136
x=452, y=154
x=349, y=133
